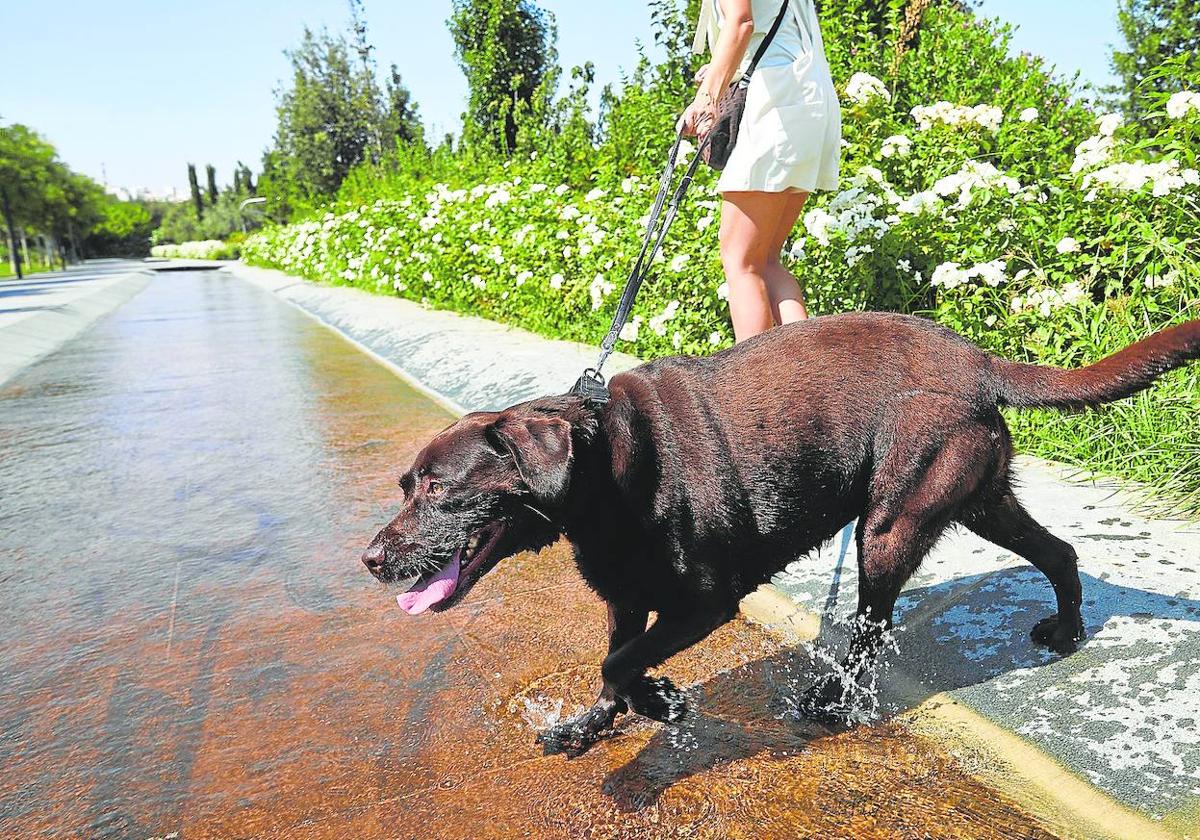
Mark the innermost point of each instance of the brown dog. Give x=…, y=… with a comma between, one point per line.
x=705, y=476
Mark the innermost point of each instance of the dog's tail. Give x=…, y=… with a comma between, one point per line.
x=1122, y=374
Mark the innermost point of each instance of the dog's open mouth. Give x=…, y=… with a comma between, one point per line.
x=437, y=588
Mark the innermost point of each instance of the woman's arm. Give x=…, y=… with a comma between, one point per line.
x=727, y=55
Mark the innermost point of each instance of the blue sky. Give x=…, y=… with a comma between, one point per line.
x=131, y=90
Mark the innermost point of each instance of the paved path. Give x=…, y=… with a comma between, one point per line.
x=44, y=311
x=1123, y=713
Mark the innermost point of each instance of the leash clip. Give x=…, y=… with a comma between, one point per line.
x=591, y=387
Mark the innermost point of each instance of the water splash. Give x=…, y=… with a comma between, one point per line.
x=858, y=680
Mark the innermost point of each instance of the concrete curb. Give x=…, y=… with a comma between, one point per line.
x=37, y=334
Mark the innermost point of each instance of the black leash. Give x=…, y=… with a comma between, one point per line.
x=591, y=386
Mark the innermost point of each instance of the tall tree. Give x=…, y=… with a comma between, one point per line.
x=505, y=48
x=31, y=179
x=194, y=184
x=1156, y=32
x=211, y=172
x=326, y=120
x=401, y=123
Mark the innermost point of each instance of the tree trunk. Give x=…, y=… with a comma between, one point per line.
x=13, y=256
x=24, y=247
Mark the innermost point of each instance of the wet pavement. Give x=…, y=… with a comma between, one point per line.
x=190, y=644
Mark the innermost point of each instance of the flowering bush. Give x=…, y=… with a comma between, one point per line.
x=1018, y=218
x=207, y=249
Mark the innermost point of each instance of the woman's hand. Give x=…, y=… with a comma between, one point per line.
x=699, y=117
x=701, y=73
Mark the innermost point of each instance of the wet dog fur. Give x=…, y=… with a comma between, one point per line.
x=703, y=477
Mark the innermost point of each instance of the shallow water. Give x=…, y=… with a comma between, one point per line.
x=192, y=646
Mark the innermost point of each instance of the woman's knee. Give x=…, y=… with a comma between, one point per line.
x=740, y=255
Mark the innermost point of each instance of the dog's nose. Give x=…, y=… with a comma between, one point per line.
x=373, y=559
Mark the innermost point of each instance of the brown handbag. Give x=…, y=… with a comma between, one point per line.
x=717, y=143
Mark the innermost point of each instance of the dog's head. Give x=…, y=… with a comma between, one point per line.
x=488, y=486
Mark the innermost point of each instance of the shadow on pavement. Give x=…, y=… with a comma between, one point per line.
x=954, y=634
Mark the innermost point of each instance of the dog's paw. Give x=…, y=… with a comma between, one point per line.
x=658, y=699
x=576, y=736
x=1060, y=636
x=569, y=739
x=825, y=701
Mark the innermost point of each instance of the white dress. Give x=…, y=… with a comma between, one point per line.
x=790, y=135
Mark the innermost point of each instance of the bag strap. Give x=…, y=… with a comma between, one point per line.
x=766, y=42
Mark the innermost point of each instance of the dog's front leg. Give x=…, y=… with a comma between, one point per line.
x=624, y=670
x=575, y=736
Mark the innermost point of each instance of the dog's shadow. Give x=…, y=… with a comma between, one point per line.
x=956, y=634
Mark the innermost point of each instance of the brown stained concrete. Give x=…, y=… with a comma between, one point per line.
x=192, y=647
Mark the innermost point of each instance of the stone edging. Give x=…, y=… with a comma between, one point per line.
x=40, y=333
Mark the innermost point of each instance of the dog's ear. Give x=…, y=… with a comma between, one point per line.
x=542, y=449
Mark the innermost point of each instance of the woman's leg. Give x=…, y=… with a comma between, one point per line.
x=749, y=223
x=787, y=299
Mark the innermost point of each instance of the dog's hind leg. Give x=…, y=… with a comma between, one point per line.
x=574, y=736
x=999, y=518
x=919, y=484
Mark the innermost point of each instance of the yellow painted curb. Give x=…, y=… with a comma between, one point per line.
x=1063, y=802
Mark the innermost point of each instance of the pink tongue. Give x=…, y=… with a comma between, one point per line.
x=433, y=591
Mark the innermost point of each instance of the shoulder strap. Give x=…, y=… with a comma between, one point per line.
x=766, y=42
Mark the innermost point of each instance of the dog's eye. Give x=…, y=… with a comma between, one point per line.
x=436, y=488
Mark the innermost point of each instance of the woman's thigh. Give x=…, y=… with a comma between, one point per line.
x=787, y=220
x=749, y=224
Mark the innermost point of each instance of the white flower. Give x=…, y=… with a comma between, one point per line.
x=1109, y=123
x=477, y=282
x=816, y=222
x=1092, y=152
x=556, y=281
x=569, y=212
x=678, y=262
x=561, y=189
x=714, y=339
x=1181, y=103
x=918, y=203
x=629, y=332
x=948, y=275
x=500, y=196
x=598, y=289
x=1165, y=176
x=723, y=291
x=1029, y=115
x=985, y=116
x=659, y=322
x=594, y=195
x=704, y=222
x=627, y=184
x=974, y=175
x=991, y=273
x=898, y=145
x=685, y=150
x=1067, y=245
x=523, y=277
x=864, y=87
x=677, y=340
